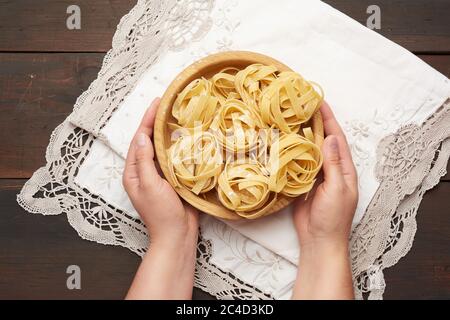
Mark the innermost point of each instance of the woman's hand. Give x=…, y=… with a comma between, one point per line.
x=324, y=221
x=326, y=216
x=167, y=270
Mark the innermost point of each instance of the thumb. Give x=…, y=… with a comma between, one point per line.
x=145, y=163
x=332, y=162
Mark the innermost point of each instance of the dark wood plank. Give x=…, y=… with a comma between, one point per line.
x=37, y=250
x=30, y=25
x=447, y=176
x=425, y=271
x=37, y=92
x=418, y=25
x=40, y=90
x=442, y=64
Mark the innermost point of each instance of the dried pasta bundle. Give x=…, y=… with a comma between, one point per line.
x=236, y=126
x=223, y=85
x=251, y=81
x=195, y=105
x=195, y=162
x=258, y=115
x=289, y=101
x=244, y=188
x=294, y=163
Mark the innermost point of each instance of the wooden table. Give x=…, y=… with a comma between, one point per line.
x=44, y=67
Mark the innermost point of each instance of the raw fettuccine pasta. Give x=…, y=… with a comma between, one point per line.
x=245, y=135
x=196, y=162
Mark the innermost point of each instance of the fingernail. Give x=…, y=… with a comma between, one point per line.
x=142, y=140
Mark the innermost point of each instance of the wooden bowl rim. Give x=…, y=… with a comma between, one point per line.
x=196, y=70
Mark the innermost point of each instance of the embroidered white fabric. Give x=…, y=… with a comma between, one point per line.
x=230, y=265
x=409, y=92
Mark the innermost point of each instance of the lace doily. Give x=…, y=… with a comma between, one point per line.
x=410, y=162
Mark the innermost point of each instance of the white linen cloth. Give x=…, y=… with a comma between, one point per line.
x=373, y=85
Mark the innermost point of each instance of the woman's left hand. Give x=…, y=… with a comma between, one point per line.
x=167, y=218
x=167, y=269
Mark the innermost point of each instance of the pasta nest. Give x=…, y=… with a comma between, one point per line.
x=245, y=135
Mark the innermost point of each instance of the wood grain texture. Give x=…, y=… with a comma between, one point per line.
x=37, y=92
x=418, y=25
x=30, y=25
x=207, y=68
x=41, y=89
x=39, y=249
x=424, y=273
x=440, y=62
x=447, y=176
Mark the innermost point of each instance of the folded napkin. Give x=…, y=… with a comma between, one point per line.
x=375, y=88
x=373, y=85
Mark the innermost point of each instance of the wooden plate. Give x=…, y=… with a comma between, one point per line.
x=207, y=67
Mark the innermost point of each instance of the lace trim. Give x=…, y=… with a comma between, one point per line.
x=410, y=162
x=220, y=284
x=384, y=235
x=52, y=191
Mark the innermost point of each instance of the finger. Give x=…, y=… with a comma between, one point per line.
x=332, y=127
x=332, y=169
x=330, y=123
x=145, y=126
x=148, y=121
x=145, y=164
x=348, y=167
x=130, y=175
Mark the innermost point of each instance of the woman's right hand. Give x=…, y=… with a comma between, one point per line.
x=327, y=214
x=323, y=221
